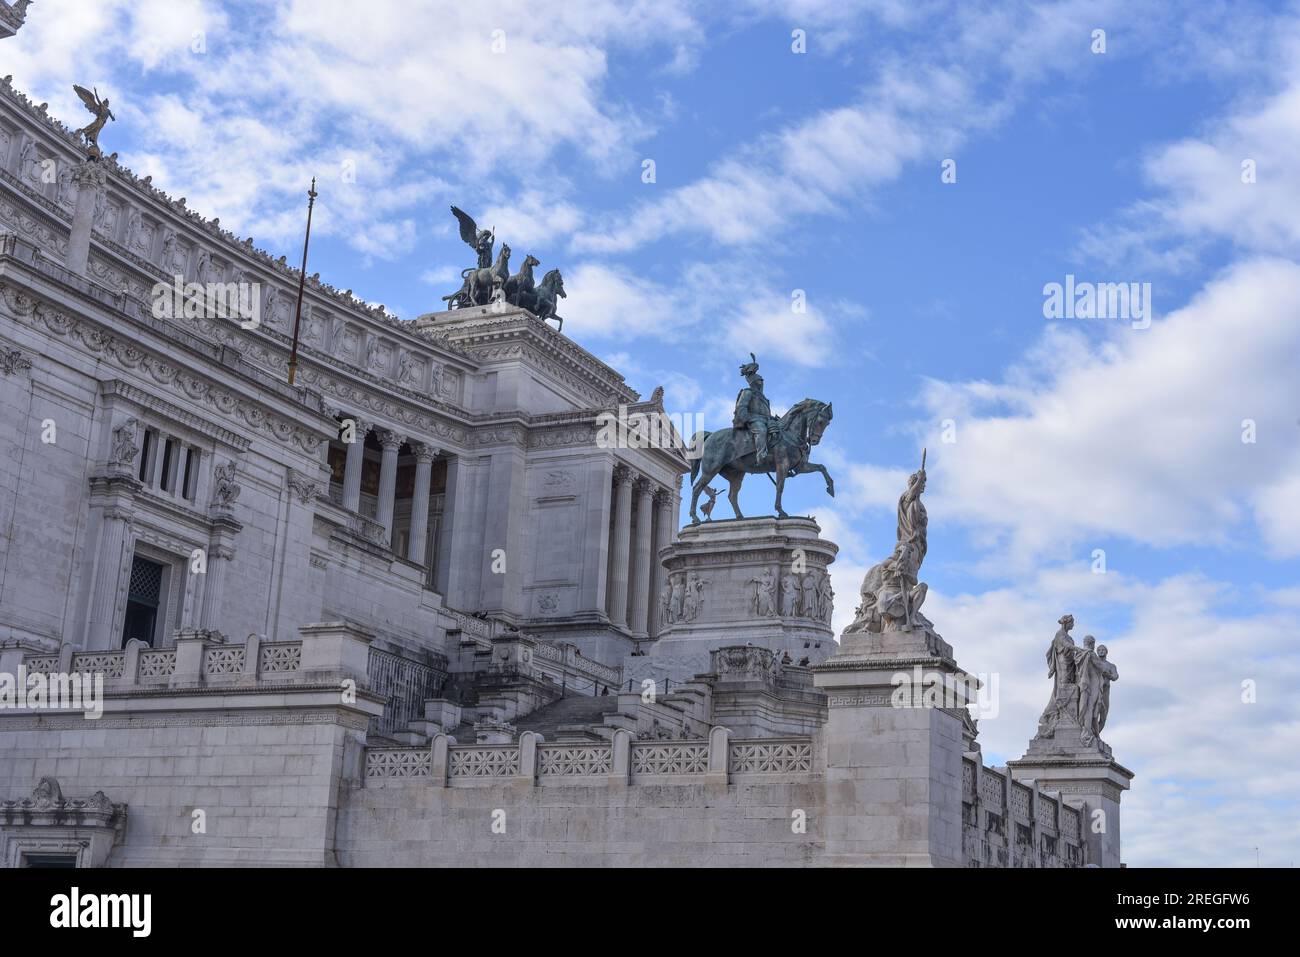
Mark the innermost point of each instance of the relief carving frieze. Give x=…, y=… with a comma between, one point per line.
x=123, y=353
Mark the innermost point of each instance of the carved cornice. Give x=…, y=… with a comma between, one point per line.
x=124, y=353
x=167, y=411
x=175, y=215
x=11, y=18
x=563, y=437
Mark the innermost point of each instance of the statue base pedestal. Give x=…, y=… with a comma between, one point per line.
x=749, y=581
x=896, y=645
x=1084, y=778
x=893, y=757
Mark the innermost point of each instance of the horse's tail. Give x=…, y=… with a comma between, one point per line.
x=464, y=273
x=697, y=447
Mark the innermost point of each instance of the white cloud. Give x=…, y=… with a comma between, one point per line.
x=1200, y=196
x=1139, y=436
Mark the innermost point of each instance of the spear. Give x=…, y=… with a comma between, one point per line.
x=923, y=460
x=302, y=281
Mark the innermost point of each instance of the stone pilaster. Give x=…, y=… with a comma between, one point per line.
x=114, y=496
x=221, y=551
x=639, y=590
x=391, y=441
x=424, y=456
x=619, y=545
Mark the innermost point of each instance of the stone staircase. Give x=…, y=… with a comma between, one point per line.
x=569, y=718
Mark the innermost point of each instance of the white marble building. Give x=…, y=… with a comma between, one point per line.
x=341, y=622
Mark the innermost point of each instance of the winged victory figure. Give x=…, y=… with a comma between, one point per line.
x=479, y=240
x=99, y=108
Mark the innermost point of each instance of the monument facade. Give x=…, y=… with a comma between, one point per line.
x=348, y=621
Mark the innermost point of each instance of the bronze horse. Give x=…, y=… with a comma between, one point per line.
x=472, y=291
x=730, y=453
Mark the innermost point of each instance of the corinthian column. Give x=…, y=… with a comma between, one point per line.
x=639, y=605
x=424, y=456
x=618, y=544
x=90, y=178
x=663, y=534
x=391, y=441
x=352, y=467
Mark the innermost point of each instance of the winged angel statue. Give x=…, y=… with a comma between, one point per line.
x=99, y=109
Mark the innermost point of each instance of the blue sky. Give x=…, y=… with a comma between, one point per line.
x=777, y=171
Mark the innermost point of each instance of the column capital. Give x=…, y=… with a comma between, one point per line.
x=362, y=425
x=622, y=475
x=643, y=485
x=89, y=173
x=390, y=439
x=424, y=452
x=120, y=513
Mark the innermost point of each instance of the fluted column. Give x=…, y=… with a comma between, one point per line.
x=638, y=602
x=618, y=544
x=391, y=441
x=418, y=539
x=352, y=467
x=663, y=534
x=90, y=178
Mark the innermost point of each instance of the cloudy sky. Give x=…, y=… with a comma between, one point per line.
x=1145, y=479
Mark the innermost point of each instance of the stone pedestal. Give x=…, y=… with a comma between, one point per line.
x=894, y=747
x=759, y=581
x=1086, y=776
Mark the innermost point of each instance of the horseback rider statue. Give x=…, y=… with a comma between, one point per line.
x=759, y=442
x=753, y=411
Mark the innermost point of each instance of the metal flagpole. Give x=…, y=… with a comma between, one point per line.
x=302, y=281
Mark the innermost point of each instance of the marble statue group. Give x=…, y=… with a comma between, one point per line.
x=1081, y=679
